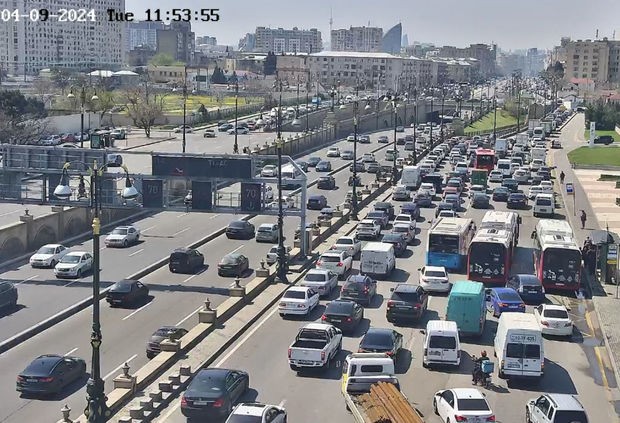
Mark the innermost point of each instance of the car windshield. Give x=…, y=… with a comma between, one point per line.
x=70, y=259
x=543, y=202
x=434, y=274
x=410, y=297
x=265, y=229
x=239, y=224
x=392, y=238
x=47, y=250
x=122, y=286
x=570, y=416
x=229, y=259
x=555, y=314
x=345, y=241
x=365, y=226
x=383, y=338
x=472, y=404
x=163, y=331
x=509, y=296
x=443, y=342
x=315, y=277
x=297, y=295
x=344, y=308
x=120, y=231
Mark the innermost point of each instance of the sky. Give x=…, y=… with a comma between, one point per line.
x=516, y=24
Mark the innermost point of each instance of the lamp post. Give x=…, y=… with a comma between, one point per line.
x=415, y=124
x=82, y=104
x=281, y=252
x=443, y=98
x=354, y=197
x=393, y=100
x=96, y=409
x=494, y=118
x=332, y=94
x=432, y=98
x=488, y=96
x=518, y=105
x=308, y=85
x=236, y=146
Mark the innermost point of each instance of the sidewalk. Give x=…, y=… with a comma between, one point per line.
x=137, y=139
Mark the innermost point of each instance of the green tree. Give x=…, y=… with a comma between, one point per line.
x=21, y=118
x=162, y=59
x=144, y=108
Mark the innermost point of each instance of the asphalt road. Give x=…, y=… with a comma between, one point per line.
x=176, y=299
x=571, y=365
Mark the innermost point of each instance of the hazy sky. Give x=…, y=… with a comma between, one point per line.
x=512, y=24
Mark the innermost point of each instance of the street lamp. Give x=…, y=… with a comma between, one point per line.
x=354, y=197
x=393, y=101
x=443, y=98
x=296, y=122
x=494, y=117
x=332, y=93
x=415, y=124
x=236, y=146
x=82, y=103
x=308, y=86
x=281, y=252
x=96, y=410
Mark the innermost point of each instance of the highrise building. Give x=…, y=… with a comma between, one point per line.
x=142, y=33
x=392, y=39
x=597, y=60
x=485, y=55
x=27, y=46
x=287, y=40
x=178, y=41
x=357, y=38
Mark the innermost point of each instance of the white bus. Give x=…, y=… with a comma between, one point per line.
x=448, y=242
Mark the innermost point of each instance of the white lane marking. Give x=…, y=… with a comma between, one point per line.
x=214, y=216
x=136, y=252
x=8, y=213
x=149, y=228
x=102, y=248
x=137, y=310
x=182, y=215
x=237, y=249
x=71, y=352
x=191, y=277
x=119, y=366
x=70, y=283
x=282, y=403
x=189, y=315
x=27, y=279
x=180, y=232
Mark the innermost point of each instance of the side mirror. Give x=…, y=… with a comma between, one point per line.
x=423, y=332
x=391, y=289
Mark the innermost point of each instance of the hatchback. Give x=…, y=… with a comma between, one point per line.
x=267, y=232
x=233, y=264
x=50, y=374
x=324, y=166
x=153, y=346
x=240, y=229
x=186, y=260
x=407, y=302
x=398, y=240
x=317, y=202
x=344, y=314
x=359, y=288
x=380, y=340
x=127, y=292
x=500, y=300
x=212, y=393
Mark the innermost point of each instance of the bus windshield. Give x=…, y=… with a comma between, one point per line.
x=561, y=265
x=485, y=160
x=487, y=259
x=440, y=243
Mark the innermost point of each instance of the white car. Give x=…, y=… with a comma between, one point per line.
x=406, y=229
x=447, y=213
x=74, y=264
x=346, y=154
x=321, y=280
x=405, y=218
x=48, y=255
x=240, y=130
x=269, y=171
x=122, y=236
x=338, y=262
x=333, y=152
x=429, y=187
x=477, y=188
x=434, y=279
x=114, y=160
x=287, y=203
x=553, y=320
x=462, y=405
x=350, y=244
x=257, y=413
x=547, y=187
x=268, y=193
x=521, y=176
x=536, y=164
x=298, y=300
x=272, y=254
x=179, y=129
x=534, y=191
x=496, y=176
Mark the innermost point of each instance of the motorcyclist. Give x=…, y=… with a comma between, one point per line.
x=477, y=373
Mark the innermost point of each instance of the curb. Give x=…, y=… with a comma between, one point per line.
x=610, y=352
x=144, y=145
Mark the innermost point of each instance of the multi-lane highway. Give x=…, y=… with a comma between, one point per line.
x=176, y=298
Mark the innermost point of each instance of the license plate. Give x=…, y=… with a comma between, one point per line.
x=404, y=308
x=532, y=292
x=336, y=320
x=305, y=362
x=31, y=380
x=200, y=402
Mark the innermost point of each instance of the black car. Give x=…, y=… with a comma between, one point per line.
x=382, y=340
x=316, y=202
x=480, y=201
x=324, y=166
x=233, y=264
x=344, y=314
x=326, y=182
x=443, y=206
x=388, y=208
x=303, y=165
x=400, y=141
x=604, y=139
x=240, y=229
x=398, y=241
x=544, y=175
x=511, y=184
x=423, y=199
x=186, y=260
x=313, y=161
x=165, y=332
x=528, y=286
x=225, y=127
x=359, y=167
x=126, y=292
x=359, y=288
x=412, y=209
x=516, y=200
x=50, y=374
x=500, y=194
x=213, y=392
x=407, y=302
x=8, y=295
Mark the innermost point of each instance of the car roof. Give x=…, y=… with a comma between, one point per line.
x=370, y=221
x=267, y=225
x=435, y=268
x=77, y=253
x=53, y=245
x=322, y=271
x=249, y=409
x=566, y=401
x=467, y=393
x=299, y=288
x=554, y=307
x=406, y=287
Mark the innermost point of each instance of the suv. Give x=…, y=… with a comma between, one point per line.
x=555, y=408
x=184, y=260
x=8, y=295
x=267, y=232
x=368, y=229
x=407, y=302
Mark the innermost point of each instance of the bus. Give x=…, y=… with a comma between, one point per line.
x=485, y=159
x=557, y=257
x=490, y=256
x=448, y=242
x=506, y=220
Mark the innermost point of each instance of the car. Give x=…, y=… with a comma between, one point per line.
x=364, y=139
x=224, y=127
x=398, y=240
x=407, y=302
x=255, y=412
x=127, y=292
x=555, y=408
x=547, y=187
x=406, y=218
x=272, y=255
x=443, y=206
x=500, y=194
x=368, y=158
x=350, y=244
x=269, y=171
x=453, y=199
x=359, y=288
x=462, y=404
x=534, y=191
x=326, y=182
x=233, y=264
x=322, y=281
x=298, y=300
x=477, y=189
x=434, y=279
x=351, y=138
x=114, y=160
x=48, y=255
x=186, y=260
x=385, y=206
x=423, y=199
x=383, y=139
x=429, y=187
x=391, y=155
x=517, y=200
x=604, y=139
x=74, y=264
x=49, y=374
x=409, y=146
x=521, y=176
x=496, y=176
x=536, y=164
x=267, y=232
x=379, y=216
x=71, y=137
x=380, y=340
x=209, y=133
x=240, y=229
x=406, y=230
x=543, y=175
x=121, y=134
x=343, y=314
x=400, y=129
x=316, y=202
x=240, y=130
x=123, y=236
x=302, y=165
x=313, y=161
x=372, y=167
x=8, y=295
x=511, y=184
x=173, y=333
x=180, y=128
x=347, y=155
x=400, y=141
x=480, y=201
x=368, y=229
x=553, y=319
x=212, y=393
x=500, y=300
x=333, y=152
x=338, y=262
x=528, y=286
x=359, y=167
x=70, y=146
x=411, y=209
x=324, y=166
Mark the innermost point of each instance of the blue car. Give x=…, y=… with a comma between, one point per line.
x=528, y=287
x=504, y=299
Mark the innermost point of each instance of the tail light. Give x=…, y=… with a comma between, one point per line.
x=390, y=353
x=323, y=317
x=491, y=419
x=20, y=378
x=46, y=379
x=366, y=290
x=340, y=264
x=390, y=303
x=282, y=304
x=322, y=355
x=218, y=403
x=318, y=262
x=289, y=353
x=460, y=418
x=349, y=319
x=183, y=402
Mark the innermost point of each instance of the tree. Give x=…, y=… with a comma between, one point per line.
x=104, y=105
x=218, y=76
x=61, y=78
x=162, y=59
x=144, y=108
x=21, y=118
x=271, y=61
x=606, y=115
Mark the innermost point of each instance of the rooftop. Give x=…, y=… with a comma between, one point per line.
x=373, y=55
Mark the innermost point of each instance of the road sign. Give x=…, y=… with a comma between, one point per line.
x=153, y=193
x=202, y=166
x=251, y=199
x=570, y=189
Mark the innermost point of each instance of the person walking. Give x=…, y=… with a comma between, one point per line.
x=562, y=176
x=583, y=219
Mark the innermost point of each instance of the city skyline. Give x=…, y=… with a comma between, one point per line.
x=532, y=24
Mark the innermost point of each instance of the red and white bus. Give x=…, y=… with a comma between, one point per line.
x=506, y=220
x=557, y=257
x=490, y=256
x=485, y=159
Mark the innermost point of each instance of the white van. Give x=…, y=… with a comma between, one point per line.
x=505, y=166
x=539, y=132
x=366, y=364
x=377, y=258
x=544, y=205
x=410, y=177
x=519, y=346
x=441, y=343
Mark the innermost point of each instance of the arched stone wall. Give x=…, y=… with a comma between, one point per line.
x=12, y=247
x=45, y=235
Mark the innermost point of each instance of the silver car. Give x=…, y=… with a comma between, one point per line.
x=322, y=280
x=267, y=232
x=123, y=236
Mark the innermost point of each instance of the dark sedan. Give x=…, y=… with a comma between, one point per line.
x=511, y=184
x=528, y=287
x=326, y=182
x=165, y=332
x=240, y=229
x=343, y=314
x=517, y=200
x=213, y=392
x=313, y=161
x=303, y=165
x=50, y=374
x=233, y=264
x=500, y=194
x=412, y=209
x=480, y=201
x=407, y=302
x=359, y=288
x=316, y=202
x=324, y=166
x=359, y=167
x=443, y=206
x=186, y=260
x=453, y=199
x=382, y=341
x=127, y=292
x=399, y=242
x=423, y=199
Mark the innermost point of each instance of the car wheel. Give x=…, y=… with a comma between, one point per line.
x=435, y=406
x=125, y=243
x=53, y=263
x=78, y=274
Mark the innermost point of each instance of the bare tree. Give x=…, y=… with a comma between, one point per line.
x=105, y=103
x=144, y=108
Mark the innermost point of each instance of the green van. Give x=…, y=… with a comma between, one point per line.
x=467, y=307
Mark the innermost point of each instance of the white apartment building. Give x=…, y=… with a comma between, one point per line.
x=587, y=59
x=357, y=38
x=26, y=46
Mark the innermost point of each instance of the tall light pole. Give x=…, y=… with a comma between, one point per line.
x=393, y=100
x=494, y=118
x=96, y=410
x=236, y=146
x=443, y=98
x=354, y=198
x=308, y=86
x=518, y=105
x=415, y=124
x=281, y=267
x=432, y=114
x=82, y=104
x=332, y=94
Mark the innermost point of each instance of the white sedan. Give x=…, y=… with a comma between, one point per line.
x=462, y=405
x=74, y=264
x=350, y=244
x=123, y=236
x=269, y=171
x=434, y=279
x=553, y=320
x=298, y=300
x=48, y=255
x=405, y=218
x=333, y=152
x=547, y=187
x=496, y=176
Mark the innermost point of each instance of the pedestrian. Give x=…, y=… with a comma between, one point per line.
x=583, y=219
x=562, y=176
x=587, y=243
